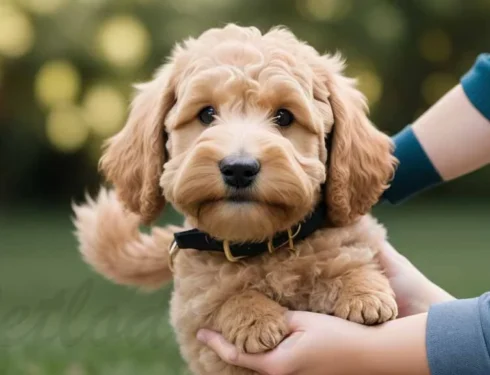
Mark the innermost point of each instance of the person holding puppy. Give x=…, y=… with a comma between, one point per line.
x=436, y=334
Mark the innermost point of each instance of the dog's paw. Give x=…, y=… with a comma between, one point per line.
x=367, y=308
x=258, y=335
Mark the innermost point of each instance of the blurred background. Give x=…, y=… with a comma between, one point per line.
x=66, y=70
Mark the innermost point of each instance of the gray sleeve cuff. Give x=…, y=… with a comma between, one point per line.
x=457, y=334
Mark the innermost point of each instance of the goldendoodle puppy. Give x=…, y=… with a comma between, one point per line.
x=265, y=148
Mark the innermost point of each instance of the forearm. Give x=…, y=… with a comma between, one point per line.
x=397, y=348
x=451, y=339
x=455, y=135
x=451, y=139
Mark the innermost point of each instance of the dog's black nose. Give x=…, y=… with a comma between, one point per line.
x=239, y=171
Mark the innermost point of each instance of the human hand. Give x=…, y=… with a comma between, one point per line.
x=316, y=340
x=415, y=293
x=322, y=344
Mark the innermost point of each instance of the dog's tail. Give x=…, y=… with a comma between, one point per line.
x=110, y=241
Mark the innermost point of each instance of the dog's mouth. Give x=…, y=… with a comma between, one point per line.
x=236, y=196
x=233, y=198
x=243, y=198
x=240, y=198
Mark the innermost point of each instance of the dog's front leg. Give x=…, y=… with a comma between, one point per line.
x=251, y=321
x=364, y=292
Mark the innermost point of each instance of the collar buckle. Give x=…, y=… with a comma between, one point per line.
x=172, y=253
x=290, y=241
x=291, y=236
x=229, y=255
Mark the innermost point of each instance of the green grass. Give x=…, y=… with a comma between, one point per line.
x=58, y=317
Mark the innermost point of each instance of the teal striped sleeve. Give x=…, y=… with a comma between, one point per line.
x=415, y=171
x=476, y=84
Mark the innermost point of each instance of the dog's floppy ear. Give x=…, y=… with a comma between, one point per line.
x=133, y=159
x=361, y=161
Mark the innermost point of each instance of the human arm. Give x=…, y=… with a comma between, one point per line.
x=449, y=140
x=322, y=344
x=450, y=339
x=458, y=337
x=319, y=342
x=457, y=330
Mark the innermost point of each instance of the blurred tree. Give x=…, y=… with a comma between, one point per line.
x=67, y=66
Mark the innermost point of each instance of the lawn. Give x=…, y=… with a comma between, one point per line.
x=58, y=317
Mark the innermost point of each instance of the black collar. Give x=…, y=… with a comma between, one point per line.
x=195, y=239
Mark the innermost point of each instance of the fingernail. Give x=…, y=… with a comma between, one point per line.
x=201, y=336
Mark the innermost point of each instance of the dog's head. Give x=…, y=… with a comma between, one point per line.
x=232, y=132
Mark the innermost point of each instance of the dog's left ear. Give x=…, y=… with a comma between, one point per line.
x=361, y=162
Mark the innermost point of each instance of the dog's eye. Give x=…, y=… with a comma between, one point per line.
x=283, y=117
x=206, y=115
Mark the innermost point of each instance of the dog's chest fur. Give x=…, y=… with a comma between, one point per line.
x=306, y=280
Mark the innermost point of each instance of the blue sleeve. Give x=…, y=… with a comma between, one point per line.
x=415, y=172
x=458, y=335
x=476, y=84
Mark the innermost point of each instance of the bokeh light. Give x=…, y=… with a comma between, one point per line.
x=435, y=46
x=43, y=6
x=325, y=10
x=436, y=85
x=104, y=109
x=385, y=23
x=371, y=85
x=369, y=80
x=123, y=41
x=16, y=32
x=66, y=129
x=93, y=3
x=57, y=82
